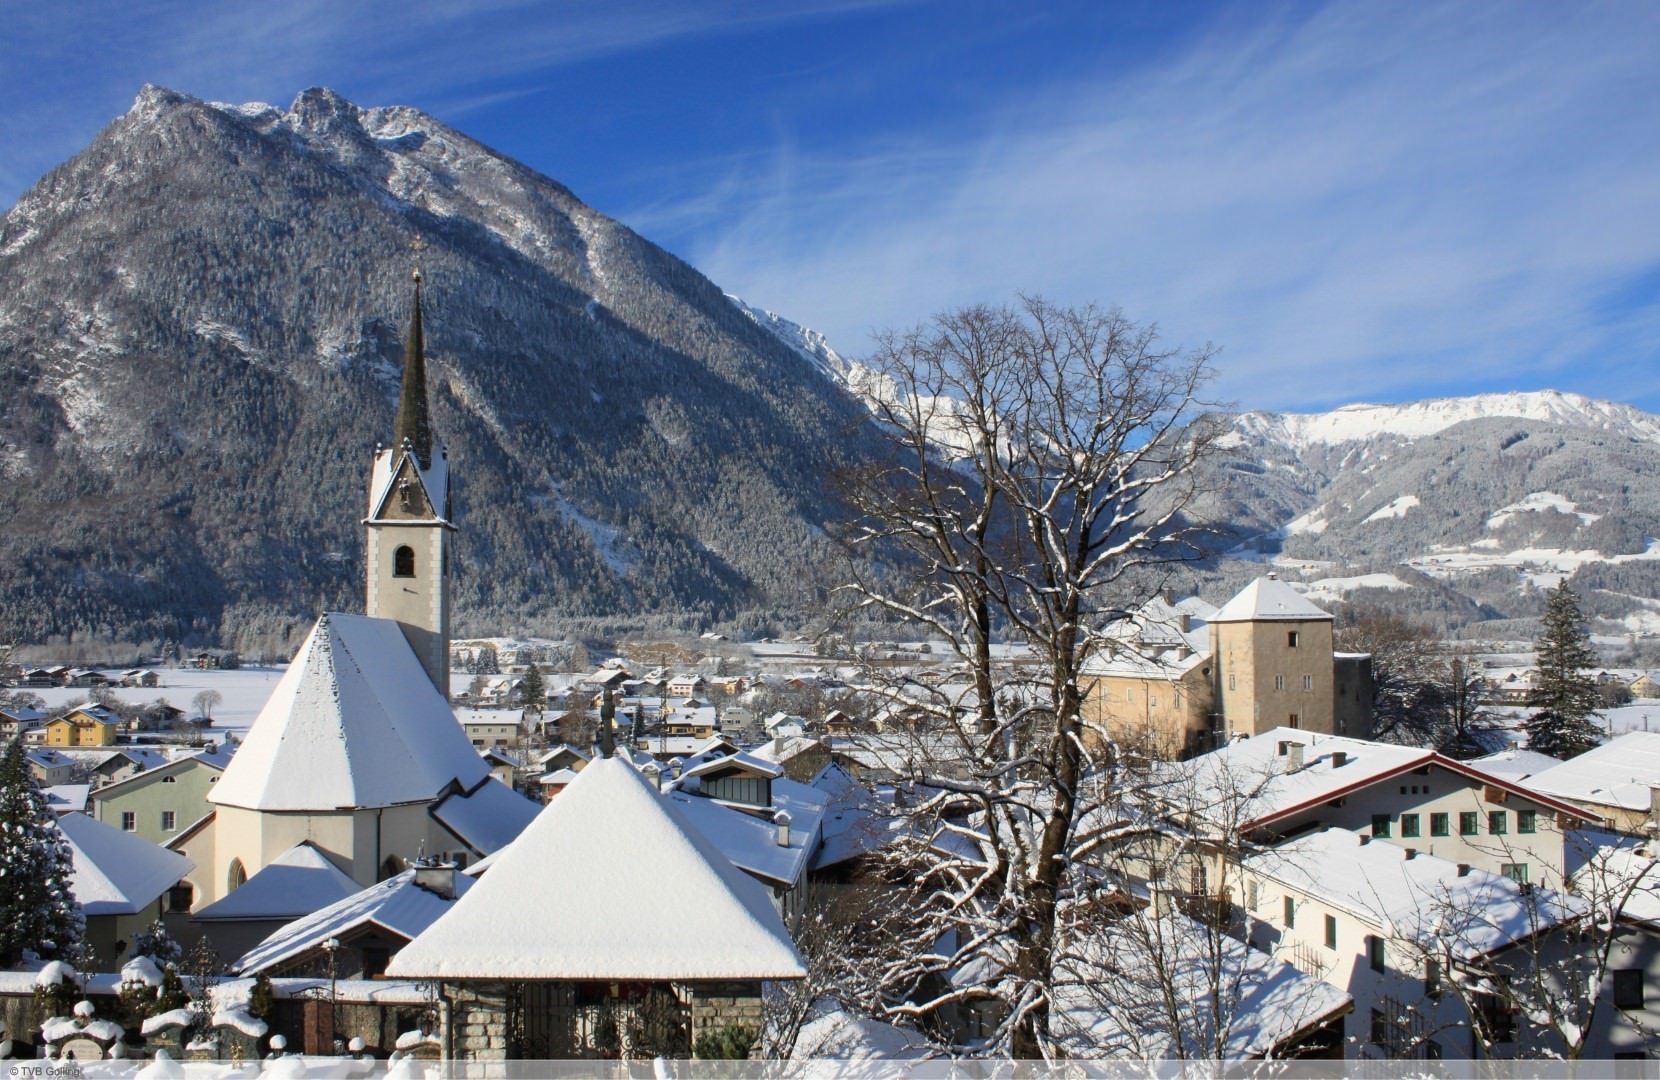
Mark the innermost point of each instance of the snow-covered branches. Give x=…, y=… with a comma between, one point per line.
x=1038, y=457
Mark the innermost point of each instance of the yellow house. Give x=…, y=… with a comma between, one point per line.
x=90, y=725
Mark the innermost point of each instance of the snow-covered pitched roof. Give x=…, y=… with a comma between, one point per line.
x=750, y=840
x=487, y=818
x=354, y=722
x=1250, y=782
x=297, y=882
x=602, y=856
x=1516, y=765
x=740, y=760
x=1620, y=773
x=1269, y=598
x=64, y=798
x=117, y=873
x=1115, y=1004
x=396, y=904
x=1417, y=898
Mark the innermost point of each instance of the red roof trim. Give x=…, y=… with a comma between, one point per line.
x=1431, y=758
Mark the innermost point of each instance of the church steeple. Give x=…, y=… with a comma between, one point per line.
x=414, y=424
x=408, y=525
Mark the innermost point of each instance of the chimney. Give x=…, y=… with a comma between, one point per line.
x=1411, y=853
x=1294, y=757
x=1364, y=839
x=675, y=765
x=436, y=878
x=1187, y=622
x=1463, y=869
x=654, y=773
x=782, y=820
x=1339, y=758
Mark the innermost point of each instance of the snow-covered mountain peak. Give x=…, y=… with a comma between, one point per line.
x=1415, y=420
x=810, y=344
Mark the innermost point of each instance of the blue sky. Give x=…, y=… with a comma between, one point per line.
x=1374, y=201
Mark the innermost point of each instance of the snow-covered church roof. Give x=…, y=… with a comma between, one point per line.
x=355, y=722
x=583, y=889
x=1269, y=598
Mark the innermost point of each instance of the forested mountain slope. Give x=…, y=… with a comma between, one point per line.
x=200, y=325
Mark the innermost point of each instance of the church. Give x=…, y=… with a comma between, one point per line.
x=357, y=755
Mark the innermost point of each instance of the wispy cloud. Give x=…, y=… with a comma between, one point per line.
x=1355, y=200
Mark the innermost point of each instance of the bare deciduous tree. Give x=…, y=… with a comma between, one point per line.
x=1040, y=461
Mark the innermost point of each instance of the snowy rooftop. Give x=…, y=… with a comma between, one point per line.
x=487, y=818
x=1413, y=898
x=396, y=904
x=1269, y=598
x=1115, y=1005
x=750, y=841
x=582, y=894
x=354, y=722
x=298, y=882
x=1617, y=773
x=117, y=873
x=1515, y=765
x=1610, y=868
x=1251, y=781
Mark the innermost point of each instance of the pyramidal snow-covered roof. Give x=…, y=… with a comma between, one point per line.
x=583, y=890
x=1269, y=598
x=355, y=722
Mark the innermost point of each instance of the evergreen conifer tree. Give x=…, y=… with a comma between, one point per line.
x=533, y=691
x=38, y=911
x=1565, y=691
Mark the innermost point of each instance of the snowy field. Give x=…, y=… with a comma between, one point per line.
x=244, y=691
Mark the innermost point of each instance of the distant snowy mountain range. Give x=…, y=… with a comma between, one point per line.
x=201, y=320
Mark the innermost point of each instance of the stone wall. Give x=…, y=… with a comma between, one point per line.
x=477, y=1021
x=717, y=1005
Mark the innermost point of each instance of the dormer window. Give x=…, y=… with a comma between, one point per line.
x=403, y=562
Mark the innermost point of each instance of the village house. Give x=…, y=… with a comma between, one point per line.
x=121, y=882
x=491, y=727
x=158, y=803
x=16, y=719
x=357, y=936
x=558, y=985
x=1645, y=686
x=1384, y=922
x=87, y=725
x=1617, y=782
x=686, y=686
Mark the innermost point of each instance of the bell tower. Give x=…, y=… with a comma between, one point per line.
x=407, y=548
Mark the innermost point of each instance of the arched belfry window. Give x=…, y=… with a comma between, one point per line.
x=237, y=876
x=403, y=562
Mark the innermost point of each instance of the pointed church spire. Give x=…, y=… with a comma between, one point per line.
x=414, y=425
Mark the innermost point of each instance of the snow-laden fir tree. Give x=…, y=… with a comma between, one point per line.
x=1565, y=692
x=38, y=911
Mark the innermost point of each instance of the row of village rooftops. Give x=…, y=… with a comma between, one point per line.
x=1353, y=843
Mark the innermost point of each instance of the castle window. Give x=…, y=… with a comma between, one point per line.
x=403, y=562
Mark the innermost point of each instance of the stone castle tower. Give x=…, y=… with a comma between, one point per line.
x=409, y=529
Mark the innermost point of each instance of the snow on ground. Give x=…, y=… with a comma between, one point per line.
x=1544, y=567
x=1336, y=587
x=1396, y=509
x=1313, y=523
x=1539, y=500
x=243, y=692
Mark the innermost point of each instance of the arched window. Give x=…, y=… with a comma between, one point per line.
x=403, y=562
x=236, y=877
x=392, y=867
